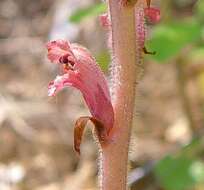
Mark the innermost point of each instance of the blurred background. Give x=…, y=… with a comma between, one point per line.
x=36, y=132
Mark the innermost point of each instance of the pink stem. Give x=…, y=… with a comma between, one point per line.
x=114, y=157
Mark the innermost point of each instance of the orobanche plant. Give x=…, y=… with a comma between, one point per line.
x=111, y=107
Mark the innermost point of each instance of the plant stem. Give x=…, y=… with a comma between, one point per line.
x=114, y=156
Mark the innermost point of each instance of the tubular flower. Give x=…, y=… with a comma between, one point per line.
x=81, y=71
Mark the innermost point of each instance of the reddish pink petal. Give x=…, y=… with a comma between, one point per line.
x=152, y=14
x=57, y=49
x=105, y=20
x=82, y=72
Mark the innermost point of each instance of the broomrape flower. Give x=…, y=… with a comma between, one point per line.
x=81, y=71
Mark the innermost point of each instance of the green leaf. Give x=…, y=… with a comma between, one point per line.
x=179, y=172
x=103, y=59
x=168, y=39
x=91, y=11
x=197, y=171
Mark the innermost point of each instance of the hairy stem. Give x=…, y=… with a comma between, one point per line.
x=114, y=156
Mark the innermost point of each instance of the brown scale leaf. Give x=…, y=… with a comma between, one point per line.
x=79, y=130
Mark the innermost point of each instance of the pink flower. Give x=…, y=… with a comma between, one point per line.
x=82, y=72
x=105, y=20
x=152, y=14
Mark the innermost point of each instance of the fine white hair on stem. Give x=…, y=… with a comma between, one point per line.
x=114, y=78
